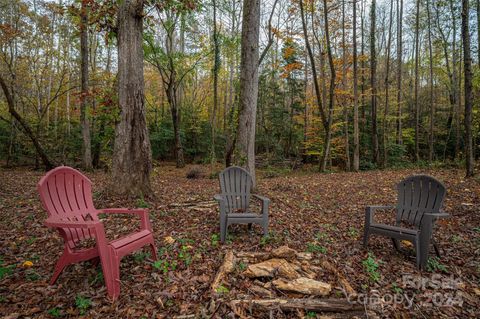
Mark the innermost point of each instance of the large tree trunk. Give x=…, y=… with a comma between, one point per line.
x=467, y=61
x=86, y=146
x=132, y=157
x=248, y=86
x=373, y=83
x=356, y=141
x=417, y=58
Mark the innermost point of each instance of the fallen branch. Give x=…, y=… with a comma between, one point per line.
x=324, y=305
x=226, y=268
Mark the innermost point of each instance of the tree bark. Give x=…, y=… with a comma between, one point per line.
x=356, y=141
x=132, y=157
x=248, y=87
x=373, y=83
x=467, y=62
x=84, y=96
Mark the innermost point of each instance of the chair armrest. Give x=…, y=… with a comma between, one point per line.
x=141, y=212
x=137, y=211
x=378, y=207
x=265, y=204
x=264, y=199
x=219, y=198
x=370, y=211
x=442, y=214
x=57, y=223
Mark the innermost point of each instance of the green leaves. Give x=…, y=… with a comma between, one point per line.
x=371, y=267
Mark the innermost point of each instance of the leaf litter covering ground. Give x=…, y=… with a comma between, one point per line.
x=320, y=213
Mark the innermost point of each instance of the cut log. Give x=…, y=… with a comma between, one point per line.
x=304, y=285
x=319, y=305
x=271, y=267
x=226, y=268
x=284, y=252
x=348, y=289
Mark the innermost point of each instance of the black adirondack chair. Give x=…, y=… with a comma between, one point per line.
x=234, y=200
x=419, y=203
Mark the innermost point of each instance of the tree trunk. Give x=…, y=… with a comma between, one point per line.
x=356, y=141
x=313, y=67
x=230, y=137
x=417, y=56
x=132, y=157
x=455, y=95
x=84, y=97
x=248, y=86
x=373, y=83
x=467, y=62
x=399, y=70
x=344, y=87
x=328, y=133
x=387, y=87
x=432, y=105
x=216, y=68
x=28, y=131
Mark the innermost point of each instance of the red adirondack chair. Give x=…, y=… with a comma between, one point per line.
x=66, y=195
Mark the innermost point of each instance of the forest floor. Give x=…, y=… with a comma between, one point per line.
x=320, y=213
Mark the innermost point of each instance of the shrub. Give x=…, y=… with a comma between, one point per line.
x=195, y=172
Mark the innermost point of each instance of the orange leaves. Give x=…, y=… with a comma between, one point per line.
x=289, y=68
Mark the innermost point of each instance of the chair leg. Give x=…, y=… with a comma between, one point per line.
x=265, y=228
x=223, y=228
x=113, y=277
x=437, y=250
x=154, y=250
x=396, y=244
x=59, y=266
x=418, y=253
x=250, y=227
x=366, y=235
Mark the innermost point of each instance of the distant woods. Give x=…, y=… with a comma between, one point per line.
x=349, y=85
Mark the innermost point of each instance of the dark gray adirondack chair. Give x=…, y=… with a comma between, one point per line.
x=235, y=185
x=419, y=203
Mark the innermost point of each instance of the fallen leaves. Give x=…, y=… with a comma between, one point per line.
x=185, y=218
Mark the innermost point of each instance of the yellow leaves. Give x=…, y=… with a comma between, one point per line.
x=407, y=243
x=27, y=264
x=169, y=240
